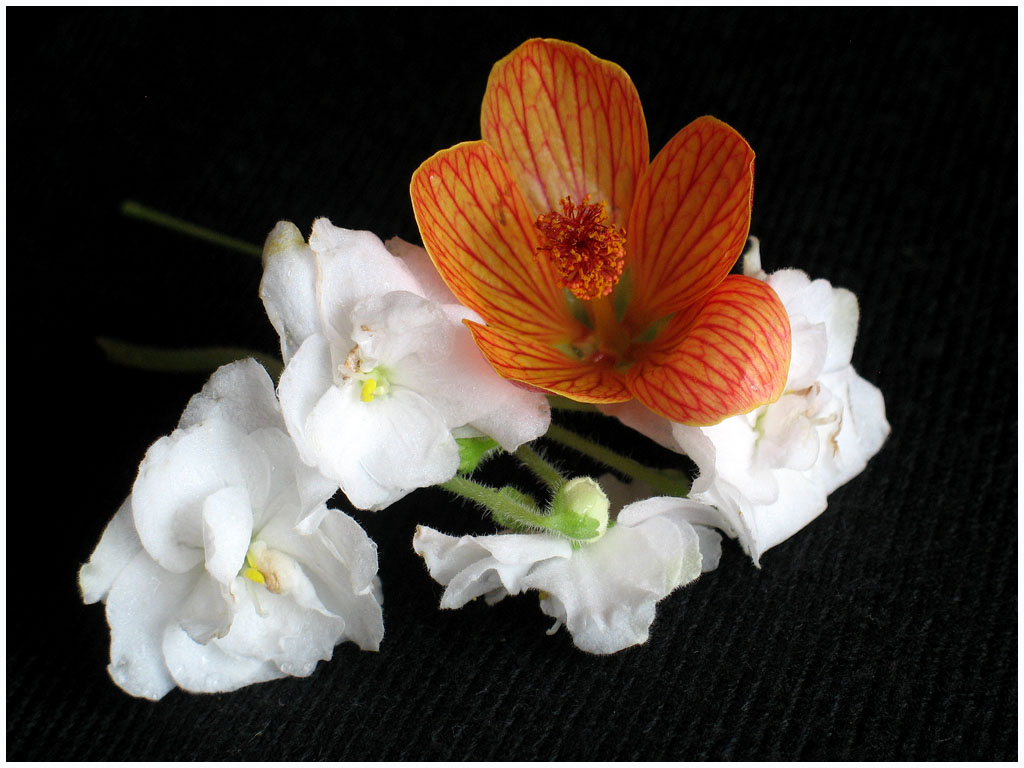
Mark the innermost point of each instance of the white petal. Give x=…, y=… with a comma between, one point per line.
x=352, y=266
x=240, y=393
x=207, y=611
x=645, y=421
x=117, y=546
x=788, y=430
x=423, y=270
x=410, y=335
x=208, y=669
x=800, y=501
x=288, y=288
x=863, y=428
x=842, y=329
x=752, y=259
x=381, y=450
x=606, y=592
x=142, y=603
x=809, y=352
x=175, y=477
x=428, y=350
x=484, y=566
x=294, y=489
x=340, y=561
x=227, y=531
x=277, y=629
x=304, y=381
x=710, y=547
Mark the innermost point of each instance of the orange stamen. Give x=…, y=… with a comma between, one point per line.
x=588, y=254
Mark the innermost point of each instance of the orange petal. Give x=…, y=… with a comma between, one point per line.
x=567, y=123
x=543, y=366
x=727, y=357
x=690, y=218
x=480, y=234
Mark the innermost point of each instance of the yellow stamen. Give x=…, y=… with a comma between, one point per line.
x=589, y=255
x=368, y=387
x=252, y=574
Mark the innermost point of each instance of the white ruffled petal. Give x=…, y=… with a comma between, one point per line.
x=277, y=629
x=207, y=611
x=175, y=477
x=606, y=592
x=142, y=603
x=341, y=561
x=484, y=566
x=381, y=450
x=351, y=267
x=117, y=546
x=227, y=531
x=809, y=352
x=426, y=349
x=423, y=270
x=842, y=329
x=208, y=669
x=288, y=288
x=304, y=380
x=240, y=393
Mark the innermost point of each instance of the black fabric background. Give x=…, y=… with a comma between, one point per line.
x=886, y=152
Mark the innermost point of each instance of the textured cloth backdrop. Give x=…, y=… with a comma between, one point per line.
x=886, y=145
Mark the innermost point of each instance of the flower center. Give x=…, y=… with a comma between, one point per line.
x=374, y=382
x=589, y=255
x=273, y=569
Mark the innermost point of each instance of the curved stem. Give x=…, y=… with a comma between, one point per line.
x=197, y=359
x=136, y=210
x=540, y=467
x=506, y=510
x=660, y=482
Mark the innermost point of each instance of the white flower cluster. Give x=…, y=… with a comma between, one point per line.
x=766, y=474
x=225, y=567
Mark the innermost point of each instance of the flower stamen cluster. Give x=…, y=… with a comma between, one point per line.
x=589, y=255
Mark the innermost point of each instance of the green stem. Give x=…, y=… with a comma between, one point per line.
x=658, y=481
x=507, y=511
x=560, y=403
x=199, y=359
x=136, y=210
x=540, y=467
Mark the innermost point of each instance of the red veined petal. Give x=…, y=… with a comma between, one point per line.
x=727, y=356
x=547, y=368
x=481, y=237
x=567, y=123
x=690, y=218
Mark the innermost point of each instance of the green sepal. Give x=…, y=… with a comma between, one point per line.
x=472, y=451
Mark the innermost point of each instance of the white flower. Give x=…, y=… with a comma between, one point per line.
x=603, y=592
x=224, y=567
x=769, y=472
x=379, y=369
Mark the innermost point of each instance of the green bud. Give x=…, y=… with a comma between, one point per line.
x=579, y=510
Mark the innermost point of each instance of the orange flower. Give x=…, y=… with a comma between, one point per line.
x=602, y=276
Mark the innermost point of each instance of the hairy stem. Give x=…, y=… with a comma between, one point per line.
x=540, y=467
x=661, y=483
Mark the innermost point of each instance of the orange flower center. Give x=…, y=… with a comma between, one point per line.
x=588, y=254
